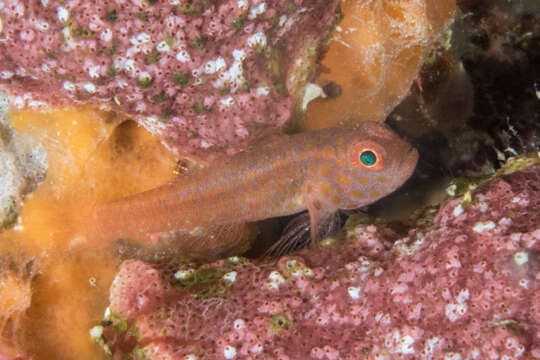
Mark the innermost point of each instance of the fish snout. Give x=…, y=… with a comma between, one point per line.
x=410, y=160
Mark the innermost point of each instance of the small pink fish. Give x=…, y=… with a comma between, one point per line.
x=321, y=171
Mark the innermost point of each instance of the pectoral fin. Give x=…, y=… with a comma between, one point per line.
x=309, y=227
x=320, y=217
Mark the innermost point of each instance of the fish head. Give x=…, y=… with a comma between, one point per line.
x=377, y=162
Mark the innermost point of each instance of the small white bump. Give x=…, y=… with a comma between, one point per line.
x=258, y=10
x=106, y=35
x=6, y=74
x=183, y=56
x=263, y=90
x=354, y=292
x=229, y=101
x=183, y=274
x=239, y=324
x=229, y=352
x=41, y=25
x=89, y=87
x=458, y=210
x=62, y=14
x=230, y=276
x=479, y=227
x=163, y=47
x=521, y=258
x=68, y=85
x=257, y=39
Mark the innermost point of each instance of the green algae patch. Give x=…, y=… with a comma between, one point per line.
x=116, y=321
x=203, y=283
x=138, y=354
x=463, y=186
x=280, y=322
x=518, y=163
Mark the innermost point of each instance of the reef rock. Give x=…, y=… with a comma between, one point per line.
x=23, y=166
x=201, y=74
x=465, y=285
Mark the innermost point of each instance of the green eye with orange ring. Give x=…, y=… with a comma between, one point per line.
x=367, y=155
x=368, y=158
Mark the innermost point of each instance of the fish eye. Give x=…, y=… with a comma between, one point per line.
x=368, y=158
x=367, y=155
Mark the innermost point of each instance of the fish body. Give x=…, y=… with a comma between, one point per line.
x=322, y=171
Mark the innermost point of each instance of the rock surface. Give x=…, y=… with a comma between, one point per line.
x=201, y=74
x=465, y=285
x=23, y=166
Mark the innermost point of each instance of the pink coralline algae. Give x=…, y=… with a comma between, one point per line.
x=464, y=287
x=201, y=74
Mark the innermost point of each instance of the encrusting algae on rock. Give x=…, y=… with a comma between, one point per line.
x=201, y=74
x=116, y=55
x=447, y=290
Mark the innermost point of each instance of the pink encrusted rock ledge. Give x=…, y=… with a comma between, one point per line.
x=465, y=287
x=203, y=75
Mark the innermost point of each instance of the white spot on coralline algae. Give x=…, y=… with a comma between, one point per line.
x=234, y=76
x=106, y=35
x=458, y=210
x=41, y=25
x=183, y=56
x=163, y=47
x=229, y=101
x=140, y=39
x=257, y=39
x=229, y=352
x=407, y=249
x=398, y=344
x=19, y=102
x=89, y=87
x=354, y=292
x=93, y=71
x=263, y=90
x=62, y=14
x=242, y=5
x=44, y=2
x=230, y=276
x=282, y=20
x=258, y=10
x=463, y=296
x=214, y=66
x=521, y=258
x=66, y=33
x=480, y=226
x=6, y=74
x=68, y=85
x=524, y=283
x=429, y=348
x=452, y=356
x=239, y=324
x=239, y=55
x=483, y=207
x=191, y=357
x=276, y=279
x=454, y=311
x=256, y=349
